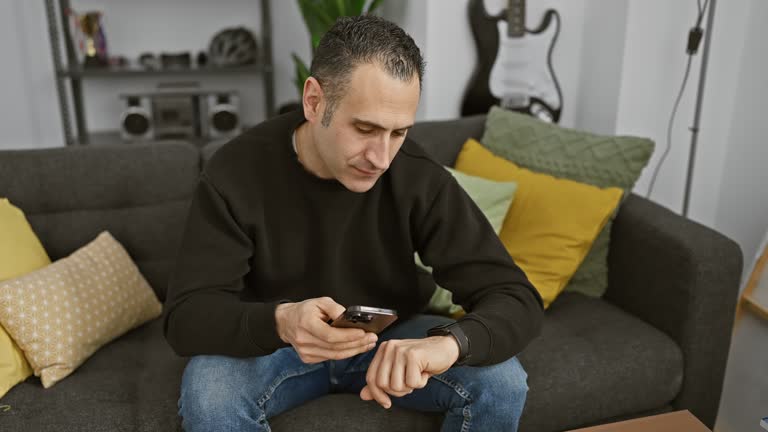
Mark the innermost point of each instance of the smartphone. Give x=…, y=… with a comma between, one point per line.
x=370, y=319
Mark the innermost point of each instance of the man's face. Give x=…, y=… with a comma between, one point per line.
x=367, y=128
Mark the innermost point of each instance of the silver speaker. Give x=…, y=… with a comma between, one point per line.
x=222, y=115
x=136, y=122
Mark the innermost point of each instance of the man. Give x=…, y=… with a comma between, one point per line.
x=314, y=211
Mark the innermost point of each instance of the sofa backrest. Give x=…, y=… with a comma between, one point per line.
x=443, y=139
x=139, y=192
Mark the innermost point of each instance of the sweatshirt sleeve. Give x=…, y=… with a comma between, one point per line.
x=504, y=310
x=203, y=312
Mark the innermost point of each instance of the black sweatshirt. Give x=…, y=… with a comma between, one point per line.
x=262, y=230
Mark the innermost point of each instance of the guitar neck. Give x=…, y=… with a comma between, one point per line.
x=516, y=18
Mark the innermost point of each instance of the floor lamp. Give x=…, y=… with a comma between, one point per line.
x=697, y=114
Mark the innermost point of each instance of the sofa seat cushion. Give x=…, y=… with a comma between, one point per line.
x=130, y=384
x=594, y=361
x=338, y=411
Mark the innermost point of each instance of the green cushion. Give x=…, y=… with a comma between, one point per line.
x=602, y=161
x=493, y=198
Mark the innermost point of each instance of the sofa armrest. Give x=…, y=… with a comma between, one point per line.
x=683, y=278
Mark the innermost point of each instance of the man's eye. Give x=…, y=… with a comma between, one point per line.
x=398, y=133
x=365, y=131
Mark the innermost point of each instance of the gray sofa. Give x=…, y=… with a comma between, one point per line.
x=657, y=342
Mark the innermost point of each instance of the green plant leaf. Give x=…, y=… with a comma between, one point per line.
x=319, y=15
x=355, y=7
x=341, y=8
x=374, y=4
x=302, y=73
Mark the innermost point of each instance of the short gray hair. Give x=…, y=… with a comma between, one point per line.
x=357, y=40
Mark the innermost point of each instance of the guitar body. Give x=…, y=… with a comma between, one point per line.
x=513, y=72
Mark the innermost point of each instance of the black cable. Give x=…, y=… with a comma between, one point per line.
x=694, y=39
x=669, y=128
x=701, y=13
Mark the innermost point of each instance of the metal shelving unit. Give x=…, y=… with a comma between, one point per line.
x=67, y=69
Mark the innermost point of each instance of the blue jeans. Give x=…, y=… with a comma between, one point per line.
x=237, y=394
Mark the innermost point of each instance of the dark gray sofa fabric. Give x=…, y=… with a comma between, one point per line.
x=582, y=369
x=596, y=360
x=131, y=384
x=139, y=192
x=682, y=278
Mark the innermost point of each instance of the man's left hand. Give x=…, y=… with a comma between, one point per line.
x=400, y=366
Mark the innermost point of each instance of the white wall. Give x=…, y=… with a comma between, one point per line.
x=620, y=63
x=742, y=205
x=412, y=17
x=602, y=50
x=29, y=112
x=653, y=67
x=289, y=34
x=445, y=37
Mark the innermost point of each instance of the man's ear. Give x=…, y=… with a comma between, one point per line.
x=313, y=100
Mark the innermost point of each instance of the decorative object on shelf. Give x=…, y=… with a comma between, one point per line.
x=149, y=61
x=118, y=61
x=319, y=16
x=202, y=59
x=136, y=120
x=514, y=64
x=69, y=74
x=233, y=47
x=180, y=60
x=221, y=115
x=180, y=114
x=91, y=38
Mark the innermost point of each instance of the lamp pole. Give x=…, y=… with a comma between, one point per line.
x=697, y=114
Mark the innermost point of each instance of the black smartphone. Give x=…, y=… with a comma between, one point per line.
x=370, y=319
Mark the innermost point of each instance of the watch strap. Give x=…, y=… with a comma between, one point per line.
x=454, y=329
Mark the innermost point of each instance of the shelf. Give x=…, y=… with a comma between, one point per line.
x=105, y=72
x=112, y=137
x=69, y=73
x=756, y=307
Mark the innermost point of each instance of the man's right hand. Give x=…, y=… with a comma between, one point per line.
x=304, y=325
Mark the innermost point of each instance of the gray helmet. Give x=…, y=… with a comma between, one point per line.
x=233, y=47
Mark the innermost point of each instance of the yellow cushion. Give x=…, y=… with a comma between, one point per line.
x=551, y=223
x=20, y=252
x=61, y=314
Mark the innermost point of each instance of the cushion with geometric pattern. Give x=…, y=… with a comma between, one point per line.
x=61, y=314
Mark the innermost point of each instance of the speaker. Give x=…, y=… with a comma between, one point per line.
x=136, y=122
x=222, y=115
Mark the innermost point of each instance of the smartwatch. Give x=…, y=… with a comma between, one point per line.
x=454, y=329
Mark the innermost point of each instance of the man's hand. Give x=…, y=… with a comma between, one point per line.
x=400, y=366
x=304, y=325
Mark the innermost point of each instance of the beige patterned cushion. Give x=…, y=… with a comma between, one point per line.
x=62, y=313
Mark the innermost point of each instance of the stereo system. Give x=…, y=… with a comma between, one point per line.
x=180, y=114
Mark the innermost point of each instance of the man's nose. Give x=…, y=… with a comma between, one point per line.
x=378, y=153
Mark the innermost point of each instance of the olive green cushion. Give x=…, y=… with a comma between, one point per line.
x=602, y=161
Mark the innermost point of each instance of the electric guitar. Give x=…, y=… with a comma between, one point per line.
x=514, y=68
